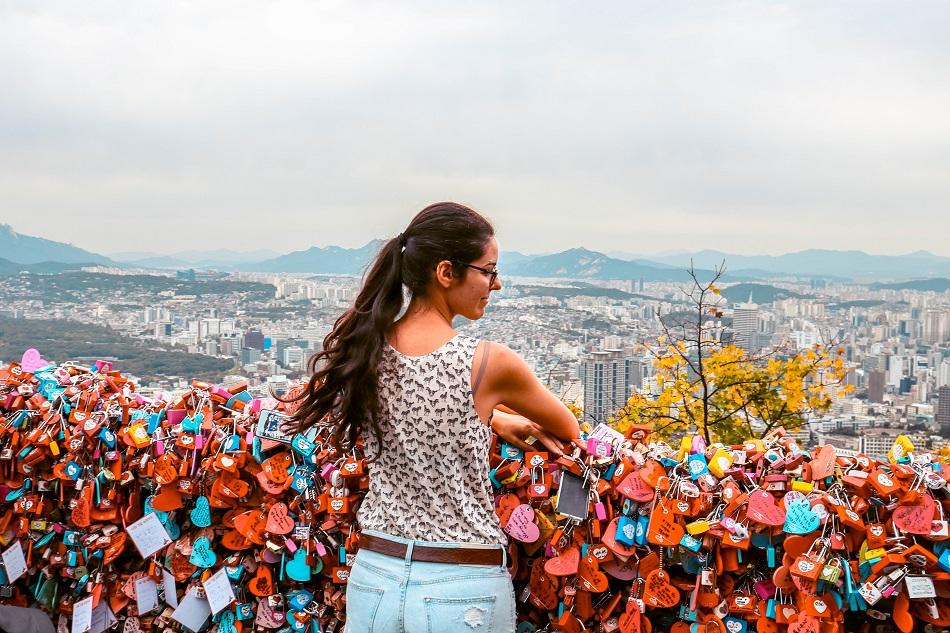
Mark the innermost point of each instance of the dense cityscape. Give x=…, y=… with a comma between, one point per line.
x=264, y=327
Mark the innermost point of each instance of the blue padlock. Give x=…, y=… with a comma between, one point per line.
x=697, y=466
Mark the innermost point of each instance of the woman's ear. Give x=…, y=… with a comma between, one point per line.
x=444, y=273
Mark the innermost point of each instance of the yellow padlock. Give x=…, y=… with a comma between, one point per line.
x=686, y=445
x=902, y=446
x=871, y=554
x=139, y=435
x=802, y=486
x=721, y=462
x=697, y=527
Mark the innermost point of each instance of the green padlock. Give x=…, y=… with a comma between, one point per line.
x=831, y=572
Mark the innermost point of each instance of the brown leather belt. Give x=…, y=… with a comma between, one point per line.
x=460, y=555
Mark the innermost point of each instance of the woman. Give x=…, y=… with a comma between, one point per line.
x=432, y=554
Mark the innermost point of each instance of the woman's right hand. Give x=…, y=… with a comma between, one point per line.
x=518, y=430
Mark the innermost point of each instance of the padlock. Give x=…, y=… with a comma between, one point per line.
x=831, y=572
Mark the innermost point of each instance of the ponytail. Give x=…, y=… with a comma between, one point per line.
x=343, y=391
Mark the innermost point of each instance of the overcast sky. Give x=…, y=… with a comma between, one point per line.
x=750, y=127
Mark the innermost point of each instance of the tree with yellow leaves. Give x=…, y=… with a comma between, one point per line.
x=708, y=386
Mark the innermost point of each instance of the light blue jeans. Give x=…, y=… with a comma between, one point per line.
x=386, y=594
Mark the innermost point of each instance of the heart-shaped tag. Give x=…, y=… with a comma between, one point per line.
x=633, y=487
x=226, y=622
x=621, y=570
x=279, y=520
x=804, y=623
x=658, y=592
x=31, y=361
x=200, y=515
x=565, y=564
x=630, y=620
x=132, y=625
x=504, y=506
x=543, y=587
x=267, y=616
x=663, y=529
x=589, y=576
x=167, y=499
x=252, y=525
x=262, y=583
x=521, y=526
x=916, y=518
x=297, y=567
x=233, y=540
x=799, y=518
x=201, y=553
x=762, y=508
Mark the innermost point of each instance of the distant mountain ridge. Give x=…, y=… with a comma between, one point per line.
x=12, y=268
x=851, y=264
x=26, y=249
x=317, y=259
x=579, y=263
x=222, y=259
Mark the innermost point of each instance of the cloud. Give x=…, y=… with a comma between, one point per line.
x=744, y=126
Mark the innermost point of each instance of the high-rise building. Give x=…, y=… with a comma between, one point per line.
x=876, y=380
x=254, y=339
x=943, y=373
x=608, y=377
x=292, y=357
x=250, y=355
x=745, y=325
x=936, y=326
x=943, y=410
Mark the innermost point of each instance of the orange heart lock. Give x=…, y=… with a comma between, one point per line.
x=663, y=529
x=262, y=583
x=658, y=592
x=589, y=576
x=565, y=564
x=543, y=587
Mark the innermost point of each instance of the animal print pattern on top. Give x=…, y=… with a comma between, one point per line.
x=430, y=482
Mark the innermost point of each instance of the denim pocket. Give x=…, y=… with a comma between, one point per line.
x=361, y=605
x=451, y=615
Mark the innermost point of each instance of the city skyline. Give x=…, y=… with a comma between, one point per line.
x=744, y=127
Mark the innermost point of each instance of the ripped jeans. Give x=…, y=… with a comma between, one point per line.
x=386, y=594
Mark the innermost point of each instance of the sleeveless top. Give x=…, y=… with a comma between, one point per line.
x=430, y=482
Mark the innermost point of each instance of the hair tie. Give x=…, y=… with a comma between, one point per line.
x=402, y=240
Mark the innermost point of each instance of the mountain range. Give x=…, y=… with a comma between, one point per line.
x=851, y=264
x=25, y=249
x=19, y=252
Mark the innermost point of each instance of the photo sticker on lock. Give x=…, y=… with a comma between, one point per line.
x=272, y=425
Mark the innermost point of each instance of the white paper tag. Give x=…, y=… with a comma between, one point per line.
x=146, y=594
x=82, y=615
x=920, y=587
x=14, y=562
x=218, y=591
x=102, y=618
x=148, y=534
x=171, y=592
x=193, y=611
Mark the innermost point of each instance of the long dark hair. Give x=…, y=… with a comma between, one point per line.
x=342, y=391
